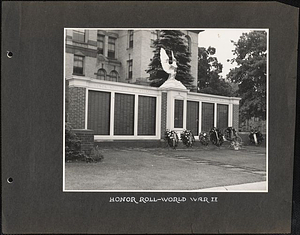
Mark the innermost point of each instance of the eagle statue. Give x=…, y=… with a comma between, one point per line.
x=165, y=63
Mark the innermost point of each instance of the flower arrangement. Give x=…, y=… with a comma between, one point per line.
x=187, y=138
x=235, y=144
x=230, y=133
x=232, y=136
x=204, y=138
x=256, y=137
x=216, y=137
x=171, y=138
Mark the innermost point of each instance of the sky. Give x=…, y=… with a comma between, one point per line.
x=221, y=40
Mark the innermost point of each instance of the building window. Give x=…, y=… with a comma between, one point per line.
x=130, y=38
x=111, y=48
x=101, y=74
x=130, y=63
x=113, y=76
x=100, y=44
x=78, y=65
x=79, y=35
x=188, y=40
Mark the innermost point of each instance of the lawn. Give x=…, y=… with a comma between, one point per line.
x=168, y=169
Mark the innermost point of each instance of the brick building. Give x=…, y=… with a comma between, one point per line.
x=108, y=92
x=117, y=55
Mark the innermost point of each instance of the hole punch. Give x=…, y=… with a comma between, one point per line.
x=10, y=180
x=9, y=54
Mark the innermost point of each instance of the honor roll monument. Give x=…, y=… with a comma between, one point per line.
x=115, y=111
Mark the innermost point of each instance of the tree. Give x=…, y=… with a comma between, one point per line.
x=209, y=80
x=171, y=40
x=250, y=75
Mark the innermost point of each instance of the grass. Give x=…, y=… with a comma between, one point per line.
x=167, y=169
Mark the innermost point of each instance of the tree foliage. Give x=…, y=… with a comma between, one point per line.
x=209, y=80
x=250, y=75
x=171, y=40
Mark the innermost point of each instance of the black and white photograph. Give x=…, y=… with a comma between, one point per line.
x=146, y=117
x=165, y=109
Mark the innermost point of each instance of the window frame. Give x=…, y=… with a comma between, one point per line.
x=99, y=49
x=77, y=38
x=130, y=32
x=111, y=53
x=98, y=74
x=83, y=59
x=130, y=69
x=116, y=77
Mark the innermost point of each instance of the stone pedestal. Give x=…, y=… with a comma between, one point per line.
x=175, y=91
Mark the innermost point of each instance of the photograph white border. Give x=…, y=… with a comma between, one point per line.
x=173, y=191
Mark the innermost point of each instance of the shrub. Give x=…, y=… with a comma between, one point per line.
x=72, y=145
x=95, y=156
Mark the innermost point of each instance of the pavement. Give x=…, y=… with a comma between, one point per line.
x=165, y=169
x=256, y=186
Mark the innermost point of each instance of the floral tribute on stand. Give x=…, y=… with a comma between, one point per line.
x=256, y=137
x=171, y=138
x=204, y=138
x=187, y=138
x=230, y=134
x=216, y=137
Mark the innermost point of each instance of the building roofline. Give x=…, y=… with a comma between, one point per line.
x=215, y=96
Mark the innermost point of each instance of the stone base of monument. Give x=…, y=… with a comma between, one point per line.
x=173, y=84
x=176, y=95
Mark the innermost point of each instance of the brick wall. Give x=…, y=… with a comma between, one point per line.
x=235, y=117
x=76, y=107
x=87, y=139
x=163, y=114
